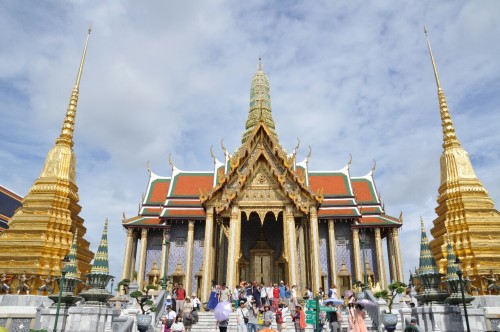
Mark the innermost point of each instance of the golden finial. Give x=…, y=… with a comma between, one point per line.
x=309, y=154
x=350, y=161
x=170, y=162
x=401, y=217
x=147, y=167
x=374, y=166
x=259, y=66
x=298, y=144
x=66, y=136
x=449, y=136
x=212, y=154
x=123, y=216
x=223, y=147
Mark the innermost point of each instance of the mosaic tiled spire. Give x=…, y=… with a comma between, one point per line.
x=427, y=263
x=260, y=104
x=101, y=261
x=451, y=266
x=71, y=269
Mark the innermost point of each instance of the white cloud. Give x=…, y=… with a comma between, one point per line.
x=163, y=77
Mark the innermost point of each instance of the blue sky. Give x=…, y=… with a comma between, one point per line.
x=165, y=77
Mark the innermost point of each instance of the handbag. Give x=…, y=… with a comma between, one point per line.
x=245, y=318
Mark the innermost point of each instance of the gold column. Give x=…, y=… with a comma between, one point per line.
x=233, y=247
x=333, y=251
x=207, y=255
x=289, y=227
x=390, y=253
x=357, y=255
x=189, y=257
x=316, y=265
x=302, y=253
x=131, y=271
x=128, y=253
x=397, y=255
x=142, y=258
x=380, y=258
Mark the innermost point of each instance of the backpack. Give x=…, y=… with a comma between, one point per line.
x=279, y=317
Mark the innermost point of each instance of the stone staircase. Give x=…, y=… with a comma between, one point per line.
x=207, y=323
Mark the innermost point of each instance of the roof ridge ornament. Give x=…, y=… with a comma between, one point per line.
x=170, y=162
x=147, y=168
x=349, y=163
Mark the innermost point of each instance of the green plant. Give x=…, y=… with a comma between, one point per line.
x=144, y=299
x=391, y=292
x=123, y=283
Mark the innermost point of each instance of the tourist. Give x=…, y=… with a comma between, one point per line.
x=359, y=319
x=293, y=295
x=180, y=298
x=334, y=318
x=299, y=319
x=256, y=293
x=268, y=316
x=282, y=291
x=236, y=296
x=412, y=327
x=281, y=316
x=248, y=289
x=253, y=318
x=350, y=312
x=332, y=293
x=224, y=293
x=321, y=293
x=223, y=325
x=263, y=294
x=213, y=299
x=287, y=295
x=242, y=317
x=269, y=290
x=177, y=326
x=276, y=297
x=196, y=308
x=170, y=319
x=187, y=314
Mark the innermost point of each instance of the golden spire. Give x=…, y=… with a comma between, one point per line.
x=449, y=136
x=66, y=136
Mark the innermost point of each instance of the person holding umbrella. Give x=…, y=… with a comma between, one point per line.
x=359, y=319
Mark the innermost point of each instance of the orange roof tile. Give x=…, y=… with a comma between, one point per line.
x=364, y=191
x=333, y=184
x=158, y=191
x=189, y=184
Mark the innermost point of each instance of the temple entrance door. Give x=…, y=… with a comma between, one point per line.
x=262, y=267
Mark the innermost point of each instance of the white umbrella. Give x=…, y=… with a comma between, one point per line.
x=222, y=311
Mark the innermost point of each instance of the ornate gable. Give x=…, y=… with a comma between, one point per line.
x=261, y=171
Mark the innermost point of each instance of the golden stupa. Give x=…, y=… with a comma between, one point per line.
x=465, y=210
x=41, y=231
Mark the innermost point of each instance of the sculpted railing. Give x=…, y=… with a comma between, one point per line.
x=373, y=311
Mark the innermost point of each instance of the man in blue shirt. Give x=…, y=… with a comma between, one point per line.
x=282, y=291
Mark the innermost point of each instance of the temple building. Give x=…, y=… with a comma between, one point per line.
x=465, y=210
x=9, y=202
x=41, y=230
x=261, y=215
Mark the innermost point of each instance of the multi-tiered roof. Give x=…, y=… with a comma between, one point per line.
x=181, y=195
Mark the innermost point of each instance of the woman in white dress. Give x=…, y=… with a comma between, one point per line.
x=178, y=326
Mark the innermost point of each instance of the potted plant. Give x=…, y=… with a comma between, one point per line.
x=146, y=305
x=388, y=318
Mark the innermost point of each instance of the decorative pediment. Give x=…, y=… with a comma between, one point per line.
x=261, y=170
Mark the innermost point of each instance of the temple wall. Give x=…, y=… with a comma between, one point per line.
x=344, y=252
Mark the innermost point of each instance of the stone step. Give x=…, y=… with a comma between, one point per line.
x=207, y=323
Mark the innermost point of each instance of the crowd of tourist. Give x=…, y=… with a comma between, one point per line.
x=260, y=306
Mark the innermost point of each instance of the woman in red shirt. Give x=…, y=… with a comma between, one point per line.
x=276, y=297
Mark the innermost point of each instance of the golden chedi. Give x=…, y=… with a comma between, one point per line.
x=40, y=232
x=465, y=210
